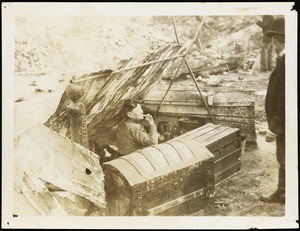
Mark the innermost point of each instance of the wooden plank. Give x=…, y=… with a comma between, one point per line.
x=124, y=168
x=246, y=129
x=227, y=161
x=198, y=132
x=173, y=203
x=187, y=208
x=156, y=157
x=226, y=173
x=229, y=145
x=45, y=137
x=40, y=197
x=183, y=150
x=68, y=165
x=192, y=109
x=18, y=178
x=184, y=96
x=219, y=136
x=67, y=201
x=213, y=135
x=170, y=153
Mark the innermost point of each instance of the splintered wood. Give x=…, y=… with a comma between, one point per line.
x=104, y=95
x=40, y=197
x=46, y=156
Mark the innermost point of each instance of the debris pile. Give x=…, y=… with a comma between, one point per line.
x=79, y=45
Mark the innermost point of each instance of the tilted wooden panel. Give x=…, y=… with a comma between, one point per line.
x=54, y=158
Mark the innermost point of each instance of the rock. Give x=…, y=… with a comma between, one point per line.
x=33, y=83
x=38, y=90
x=19, y=99
x=199, y=78
x=254, y=73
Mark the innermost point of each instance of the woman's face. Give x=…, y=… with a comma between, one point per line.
x=136, y=113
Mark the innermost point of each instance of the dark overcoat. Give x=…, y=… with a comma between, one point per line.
x=275, y=98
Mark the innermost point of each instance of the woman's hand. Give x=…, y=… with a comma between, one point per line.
x=149, y=119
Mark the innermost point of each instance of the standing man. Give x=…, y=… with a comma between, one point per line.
x=275, y=106
x=266, y=54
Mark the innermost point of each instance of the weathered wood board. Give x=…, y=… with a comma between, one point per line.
x=45, y=154
x=234, y=108
x=40, y=197
x=223, y=142
x=103, y=96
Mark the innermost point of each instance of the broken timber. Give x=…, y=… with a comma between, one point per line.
x=127, y=68
x=40, y=197
x=189, y=67
x=42, y=153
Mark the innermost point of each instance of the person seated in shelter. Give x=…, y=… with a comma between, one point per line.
x=131, y=135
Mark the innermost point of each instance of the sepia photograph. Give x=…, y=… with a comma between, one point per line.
x=149, y=115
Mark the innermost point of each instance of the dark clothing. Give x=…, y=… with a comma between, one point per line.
x=275, y=98
x=266, y=25
x=275, y=110
x=132, y=136
x=280, y=152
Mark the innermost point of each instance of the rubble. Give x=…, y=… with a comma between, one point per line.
x=115, y=50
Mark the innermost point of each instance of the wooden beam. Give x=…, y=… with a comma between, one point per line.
x=175, y=202
x=128, y=68
x=40, y=197
x=54, y=158
x=189, y=46
x=190, y=69
x=18, y=178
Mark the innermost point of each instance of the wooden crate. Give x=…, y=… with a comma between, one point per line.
x=229, y=107
x=173, y=178
x=224, y=143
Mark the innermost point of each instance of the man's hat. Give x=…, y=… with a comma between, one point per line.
x=277, y=27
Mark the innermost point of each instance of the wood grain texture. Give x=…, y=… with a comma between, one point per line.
x=168, y=172
x=43, y=153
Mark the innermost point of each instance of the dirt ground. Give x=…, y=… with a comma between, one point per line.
x=48, y=56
